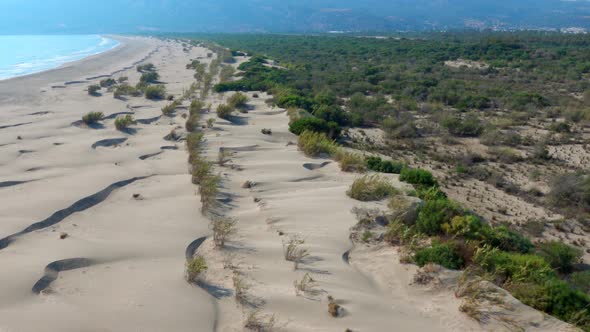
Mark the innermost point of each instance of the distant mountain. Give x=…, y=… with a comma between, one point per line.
x=117, y=16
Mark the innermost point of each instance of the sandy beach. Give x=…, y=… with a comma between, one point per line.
x=96, y=222
x=129, y=253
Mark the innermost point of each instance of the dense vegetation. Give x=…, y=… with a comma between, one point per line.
x=520, y=71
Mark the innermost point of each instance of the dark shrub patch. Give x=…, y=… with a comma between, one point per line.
x=440, y=253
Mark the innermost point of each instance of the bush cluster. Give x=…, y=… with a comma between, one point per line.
x=418, y=177
x=442, y=254
x=311, y=123
x=155, y=92
x=384, y=166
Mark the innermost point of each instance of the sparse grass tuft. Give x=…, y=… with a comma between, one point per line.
x=371, y=188
x=255, y=322
x=313, y=144
x=293, y=251
x=240, y=288
x=350, y=162
x=306, y=286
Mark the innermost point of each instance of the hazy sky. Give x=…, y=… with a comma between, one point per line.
x=103, y=16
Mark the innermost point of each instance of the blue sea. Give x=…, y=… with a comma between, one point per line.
x=24, y=55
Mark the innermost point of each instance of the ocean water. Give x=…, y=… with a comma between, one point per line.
x=24, y=55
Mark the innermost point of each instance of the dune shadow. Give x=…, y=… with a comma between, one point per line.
x=15, y=125
x=115, y=115
x=109, y=142
x=53, y=269
x=6, y=184
x=213, y=290
x=79, y=206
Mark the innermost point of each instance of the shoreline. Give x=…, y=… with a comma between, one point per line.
x=28, y=87
x=119, y=44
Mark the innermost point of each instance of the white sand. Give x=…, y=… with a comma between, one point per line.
x=139, y=245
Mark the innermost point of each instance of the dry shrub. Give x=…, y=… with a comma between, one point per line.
x=240, y=288
x=350, y=162
x=306, y=286
x=256, y=322
x=333, y=307
x=293, y=251
x=223, y=228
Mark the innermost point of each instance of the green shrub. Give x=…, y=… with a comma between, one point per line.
x=146, y=67
x=149, y=77
x=400, y=128
x=313, y=144
x=581, y=281
x=123, y=122
x=504, y=266
x=506, y=239
x=468, y=226
x=224, y=111
x=433, y=214
x=208, y=190
x=107, y=82
x=155, y=92
x=418, y=177
x=169, y=109
x=93, y=90
x=92, y=117
x=430, y=193
x=195, y=267
x=384, y=166
x=193, y=141
x=560, y=127
x=442, y=254
x=126, y=90
x=196, y=107
x=238, y=100
x=350, y=162
x=560, y=256
x=469, y=126
x=371, y=188
x=296, y=114
x=192, y=123
x=568, y=304
x=312, y=123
